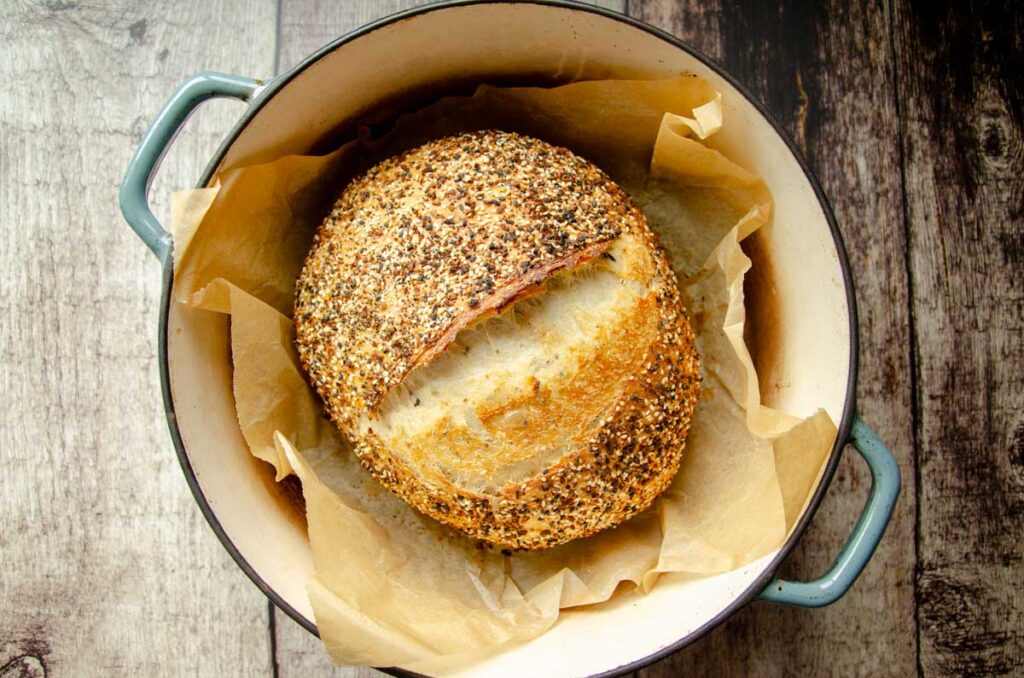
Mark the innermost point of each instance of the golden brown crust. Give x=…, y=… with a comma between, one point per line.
x=614, y=468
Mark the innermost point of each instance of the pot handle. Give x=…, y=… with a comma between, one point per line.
x=134, y=195
x=885, y=488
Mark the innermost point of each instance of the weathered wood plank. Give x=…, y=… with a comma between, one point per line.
x=108, y=565
x=962, y=101
x=306, y=25
x=825, y=71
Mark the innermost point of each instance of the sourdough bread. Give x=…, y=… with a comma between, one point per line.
x=490, y=321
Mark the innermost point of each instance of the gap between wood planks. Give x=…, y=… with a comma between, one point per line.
x=962, y=118
x=915, y=402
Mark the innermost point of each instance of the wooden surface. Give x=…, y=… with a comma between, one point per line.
x=106, y=564
x=911, y=116
x=961, y=108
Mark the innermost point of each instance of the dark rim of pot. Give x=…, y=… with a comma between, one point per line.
x=842, y=437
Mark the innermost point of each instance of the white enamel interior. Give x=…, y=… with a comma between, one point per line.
x=810, y=360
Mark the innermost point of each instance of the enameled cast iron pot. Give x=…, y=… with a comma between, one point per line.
x=428, y=50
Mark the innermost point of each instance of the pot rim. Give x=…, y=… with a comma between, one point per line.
x=849, y=406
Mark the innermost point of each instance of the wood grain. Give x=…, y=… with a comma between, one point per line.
x=912, y=116
x=307, y=25
x=962, y=103
x=825, y=72
x=108, y=566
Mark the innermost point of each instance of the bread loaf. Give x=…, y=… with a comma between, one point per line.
x=492, y=324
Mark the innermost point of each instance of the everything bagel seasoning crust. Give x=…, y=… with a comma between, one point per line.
x=492, y=324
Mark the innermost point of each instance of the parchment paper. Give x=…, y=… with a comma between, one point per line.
x=394, y=588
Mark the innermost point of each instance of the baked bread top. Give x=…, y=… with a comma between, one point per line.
x=490, y=321
x=428, y=241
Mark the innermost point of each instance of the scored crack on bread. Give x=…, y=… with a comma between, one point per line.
x=437, y=260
